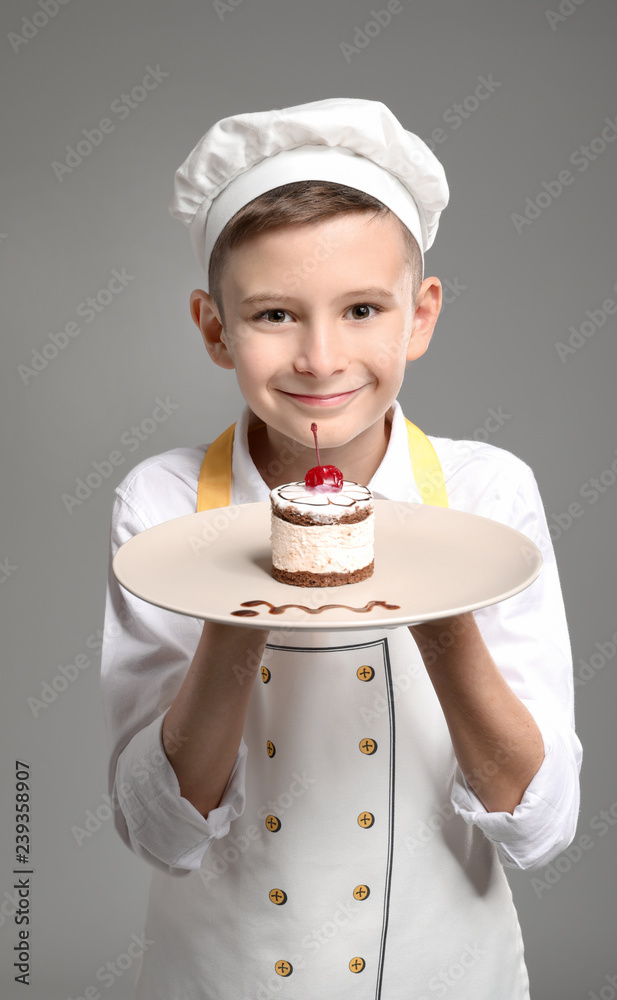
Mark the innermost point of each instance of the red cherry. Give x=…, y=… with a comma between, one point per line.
x=323, y=478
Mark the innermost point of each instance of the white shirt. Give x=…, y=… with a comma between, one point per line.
x=147, y=651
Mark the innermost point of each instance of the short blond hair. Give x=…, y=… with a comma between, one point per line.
x=295, y=204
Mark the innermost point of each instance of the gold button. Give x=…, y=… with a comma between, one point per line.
x=270, y=748
x=283, y=968
x=277, y=896
x=361, y=892
x=273, y=823
x=365, y=673
x=265, y=675
x=357, y=964
x=365, y=820
x=368, y=746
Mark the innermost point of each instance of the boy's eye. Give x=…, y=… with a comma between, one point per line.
x=270, y=313
x=275, y=316
x=364, y=306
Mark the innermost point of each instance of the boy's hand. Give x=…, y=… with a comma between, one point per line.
x=496, y=740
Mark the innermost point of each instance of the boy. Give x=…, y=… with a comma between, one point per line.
x=327, y=814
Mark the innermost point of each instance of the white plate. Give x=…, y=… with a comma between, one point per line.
x=430, y=561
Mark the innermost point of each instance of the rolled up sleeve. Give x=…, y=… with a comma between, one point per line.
x=528, y=638
x=544, y=822
x=160, y=823
x=145, y=656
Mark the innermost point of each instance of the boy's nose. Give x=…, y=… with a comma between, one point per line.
x=321, y=353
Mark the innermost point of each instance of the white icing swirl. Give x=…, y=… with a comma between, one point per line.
x=296, y=494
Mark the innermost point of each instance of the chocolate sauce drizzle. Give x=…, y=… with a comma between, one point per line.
x=278, y=610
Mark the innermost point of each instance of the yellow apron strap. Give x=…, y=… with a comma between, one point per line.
x=214, y=488
x=427, y=470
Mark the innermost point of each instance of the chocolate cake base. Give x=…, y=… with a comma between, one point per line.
x=294, y=516
x=323, y=579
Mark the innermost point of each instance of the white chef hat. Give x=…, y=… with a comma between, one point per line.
x=347, y=140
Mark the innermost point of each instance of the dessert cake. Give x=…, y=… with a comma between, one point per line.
x=322, y=529
x=322, y=539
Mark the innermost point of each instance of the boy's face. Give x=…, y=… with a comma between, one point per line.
x=329, y=329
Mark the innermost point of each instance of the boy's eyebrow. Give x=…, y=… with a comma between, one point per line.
x=270, y=296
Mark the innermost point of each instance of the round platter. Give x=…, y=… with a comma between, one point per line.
x=430, y=562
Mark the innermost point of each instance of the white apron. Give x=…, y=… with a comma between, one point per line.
x=348, y=874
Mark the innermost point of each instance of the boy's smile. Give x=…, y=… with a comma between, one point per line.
x=314, y=400
x=329, y=346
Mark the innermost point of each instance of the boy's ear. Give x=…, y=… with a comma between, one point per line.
x=205, y=316
x=428, y=307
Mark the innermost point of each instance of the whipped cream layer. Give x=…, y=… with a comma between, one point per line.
x=328, y=548
x=323, y=507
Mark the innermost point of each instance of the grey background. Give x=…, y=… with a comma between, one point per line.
x=494, y=347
